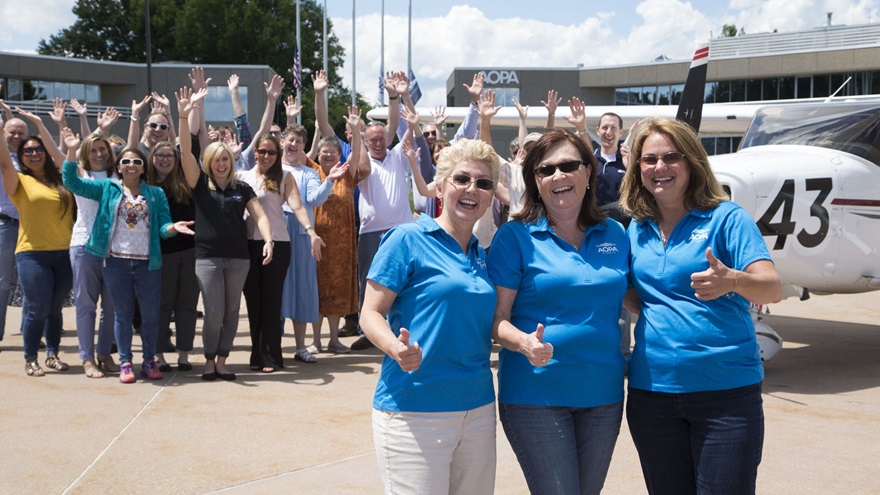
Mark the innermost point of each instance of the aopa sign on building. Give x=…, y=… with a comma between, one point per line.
x=500, y=77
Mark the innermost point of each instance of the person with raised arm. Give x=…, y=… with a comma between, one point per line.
x=14, y=130
x=559, y=270
x=247, y=159
x=46, y=210
x=428, y=307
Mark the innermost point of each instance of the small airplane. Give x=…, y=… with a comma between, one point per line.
x=807, y=171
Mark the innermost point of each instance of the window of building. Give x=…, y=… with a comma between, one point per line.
x=675, y=93
x=786, y=88
x=738, y=90
x=753, y=90
x=218, y=105
x=820, y=86
x=505, y=96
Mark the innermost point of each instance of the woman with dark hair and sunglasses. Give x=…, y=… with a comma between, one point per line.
x=694, y=404
x=96, y=160
x=434, y=410
x=132, y=217
x=559, y=270
x=46, y=210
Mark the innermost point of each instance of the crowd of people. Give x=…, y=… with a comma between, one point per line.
x=587, y=239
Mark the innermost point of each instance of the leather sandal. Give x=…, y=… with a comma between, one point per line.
x=91, y=369
x=32, y=368
x=56, y=364
x=106, y=363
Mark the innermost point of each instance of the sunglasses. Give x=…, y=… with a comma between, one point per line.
x=430, y=133
x=668, y=158
x=156, y=125
x=564, y=167
x=33, y=150
x=164, y=157
x=267, y=152
x=462, y=180
x=131, y=161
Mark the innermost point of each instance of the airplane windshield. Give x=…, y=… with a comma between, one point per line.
x=850, y=127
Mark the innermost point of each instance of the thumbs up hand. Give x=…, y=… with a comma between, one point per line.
x=533, y=347
x=408, y=356
x=714, y=282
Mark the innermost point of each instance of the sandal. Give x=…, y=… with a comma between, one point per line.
x=56, y=364
x=305, y=356
x=32, y=368
x=107, y=364
x=91, y=369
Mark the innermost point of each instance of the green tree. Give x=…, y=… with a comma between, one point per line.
x=209, y=32
x=729, y=31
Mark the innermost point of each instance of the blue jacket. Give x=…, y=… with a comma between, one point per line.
x=108, y=193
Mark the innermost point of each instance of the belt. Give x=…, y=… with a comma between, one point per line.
x=7, y=218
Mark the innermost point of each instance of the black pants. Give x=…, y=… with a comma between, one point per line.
x=262, y=293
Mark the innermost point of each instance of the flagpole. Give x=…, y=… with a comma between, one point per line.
x=409, y=42
x=353, y=58
x=326, y=69
x=298, y=50
x=381, y=98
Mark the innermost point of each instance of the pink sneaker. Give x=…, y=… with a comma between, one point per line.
x=150, y=370
x=126, y=375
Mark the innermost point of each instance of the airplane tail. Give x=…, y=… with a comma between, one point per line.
x=690, y=110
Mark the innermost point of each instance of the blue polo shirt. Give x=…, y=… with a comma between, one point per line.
x=446, y=301
x=577, y=294
x=683, y=344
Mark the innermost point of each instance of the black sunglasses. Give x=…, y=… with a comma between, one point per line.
x=133, y=161
x=430, y=133
x=462, y=180
x=33, y=150
x=156, y=125
x=668, y=158
x=564, y=167
x=267, y=152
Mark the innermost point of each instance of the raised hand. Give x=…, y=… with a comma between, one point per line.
x=338, y=170
x=578, y=116
x=523, y=111
x=197, y=79
x=408, y=356
x=439, y=115
x=520, y=157
x=80, y=109
x=186, y=98
x=714, y=282
x=410, y=153
x=70, y=139
x=232, y=83
x=411, y=117
x=136, y=106
x=487, y=105
x=161, y=100
x=390, y=84
x=476, y=88
x=57, y=113
x=552, y=102
x=273, y=89
x=292, y=107
x=401, y=83
x=320, y=81
x=28, y=115
x=353, y=118
x=533, y=347
x=108, y=118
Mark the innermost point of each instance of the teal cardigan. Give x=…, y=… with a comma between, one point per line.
x=108, y=193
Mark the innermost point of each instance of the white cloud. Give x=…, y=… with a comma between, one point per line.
x=24, y=25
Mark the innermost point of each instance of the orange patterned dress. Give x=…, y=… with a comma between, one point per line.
x=337, y=270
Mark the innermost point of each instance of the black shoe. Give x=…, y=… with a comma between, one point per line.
x=184, y=366
x=350, y=328
x=226, y=376
x=361, y=344
x=209, y=377
x=165, y=368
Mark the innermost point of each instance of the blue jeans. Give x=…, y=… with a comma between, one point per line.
x=46, y=279
x=88, y=286
x=698, y=443
x=127, y=279
x=562, y=450
x=367, y=246
x=8, y=240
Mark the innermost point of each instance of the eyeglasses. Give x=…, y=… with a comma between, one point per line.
x=564, y=167
x=164, y=156
x=275, y=133
x=33, y=150
x=267, y=152
x=462, y=180
x=131, y=161
x=156, y=125
x=668, y=158
x=430, y=133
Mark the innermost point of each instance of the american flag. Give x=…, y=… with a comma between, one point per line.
x=297, y=69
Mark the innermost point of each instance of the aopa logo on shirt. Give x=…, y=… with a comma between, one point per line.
x=607, y=248
x=700, y=235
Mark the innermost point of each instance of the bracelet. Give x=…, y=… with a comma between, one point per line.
x=132, y=117
x=392, y=98
x=270, y=242
x=309, y=227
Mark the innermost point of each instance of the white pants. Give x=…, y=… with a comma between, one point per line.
x=436, y=453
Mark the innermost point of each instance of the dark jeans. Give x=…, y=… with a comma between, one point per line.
x=367, y=246
x=180, y=293
x=46, y=280
x=128, y=280
x=562, y=450
x=698, y=443
x=8, y=240
x=262, y=294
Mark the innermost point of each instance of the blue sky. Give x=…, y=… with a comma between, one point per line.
x=511, y=33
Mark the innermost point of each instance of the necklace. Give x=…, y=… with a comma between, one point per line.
x=663, y=237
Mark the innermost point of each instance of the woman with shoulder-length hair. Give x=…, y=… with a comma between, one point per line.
x=433, y=410
x=221, y=239
x=96, y=158
x=42, y=255
x=694, y=404
x=180, y=287
x=559, y=268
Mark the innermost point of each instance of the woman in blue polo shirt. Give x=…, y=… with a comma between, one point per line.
x=434, y=411
x=560, y=270
x=694, y=404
